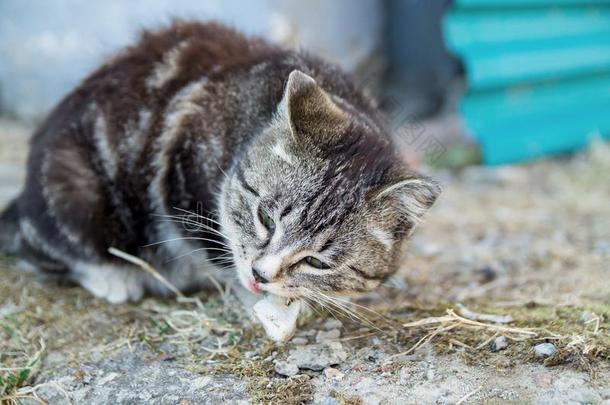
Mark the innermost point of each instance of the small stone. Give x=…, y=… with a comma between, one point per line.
x=332, y=324
x=545, y=350
x=499, y=343
x=306, y=333
x=317, y=357
x=373, y=356
x=285, y=368
x=405, y=376
x=199, y=384
x=107, y=378
x=323, y=336
x=299, y=341
x=487, y=274
x=333, y=373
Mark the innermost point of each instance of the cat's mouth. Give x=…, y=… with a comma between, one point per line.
x=276, y=288
x=254, y=287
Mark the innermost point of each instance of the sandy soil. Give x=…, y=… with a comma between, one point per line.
x=529, y=241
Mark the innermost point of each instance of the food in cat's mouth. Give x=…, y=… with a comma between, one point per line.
x=278, y=316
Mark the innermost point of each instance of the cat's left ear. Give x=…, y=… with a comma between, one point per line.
x=410, y=198
x=308, y=108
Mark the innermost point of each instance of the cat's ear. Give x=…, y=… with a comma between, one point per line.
x=410, y=198
x=308, y=108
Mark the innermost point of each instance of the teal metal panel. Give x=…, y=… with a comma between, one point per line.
x=538, y=74
x=528, y=3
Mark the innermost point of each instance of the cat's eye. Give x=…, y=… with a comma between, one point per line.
x=317, y=263
x=266, y=220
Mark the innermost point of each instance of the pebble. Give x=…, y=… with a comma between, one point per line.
x=499, y=343
x=332, y=324
x=545, y=350
x=107, y=378
x=285, y=368
x=487, y=274
x=333, y=373
x=317, y=357
x=306, y=333
x=323, y=336
x=299, y=341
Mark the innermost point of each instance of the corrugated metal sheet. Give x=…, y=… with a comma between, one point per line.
x=538, y=73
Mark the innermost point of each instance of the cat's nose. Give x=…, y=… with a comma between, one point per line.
x=258, y=276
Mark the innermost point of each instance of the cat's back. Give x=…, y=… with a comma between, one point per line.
x=143, y=78
x=98, y=151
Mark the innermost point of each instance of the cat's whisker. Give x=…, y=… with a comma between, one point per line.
x=191, y=252
x=187, y=238
x=188, y=217
x=313, y=304
x=325, y=307
x=348, y=302
x=320, y=303
x=224, y=256
x=342, y=305
x=323, y=298
x=197, y=215
x=199, y=228
x=222, y=262
x=199, y=225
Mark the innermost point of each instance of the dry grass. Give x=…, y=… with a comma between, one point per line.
x=290, y=391
x=77, y=326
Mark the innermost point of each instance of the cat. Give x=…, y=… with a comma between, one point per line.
x=197, y=148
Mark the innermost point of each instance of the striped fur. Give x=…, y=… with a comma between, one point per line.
x=198, y=118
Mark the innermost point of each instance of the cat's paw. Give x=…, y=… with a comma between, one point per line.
x=116, y=285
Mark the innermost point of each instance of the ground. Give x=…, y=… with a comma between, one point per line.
x=529, y=244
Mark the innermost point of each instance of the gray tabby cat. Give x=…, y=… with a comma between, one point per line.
x=287, y=166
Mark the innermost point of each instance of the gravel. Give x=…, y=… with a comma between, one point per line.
x=545, y=350
x=324, y=336
x=499, y=343
x=286, y=369
x=317, y=357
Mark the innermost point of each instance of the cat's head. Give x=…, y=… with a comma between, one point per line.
x=320, y=202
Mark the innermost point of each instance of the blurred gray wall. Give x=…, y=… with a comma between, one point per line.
x=48, y=46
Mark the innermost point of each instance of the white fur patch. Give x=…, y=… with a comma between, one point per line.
x=384, y=237
x=135, y=133
x=416, y=182
x=280, y=151
x=268, y=266
x=410, y=205
x=211, y=152
x=115, y=284
x=166, y=70
x=106, y=152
